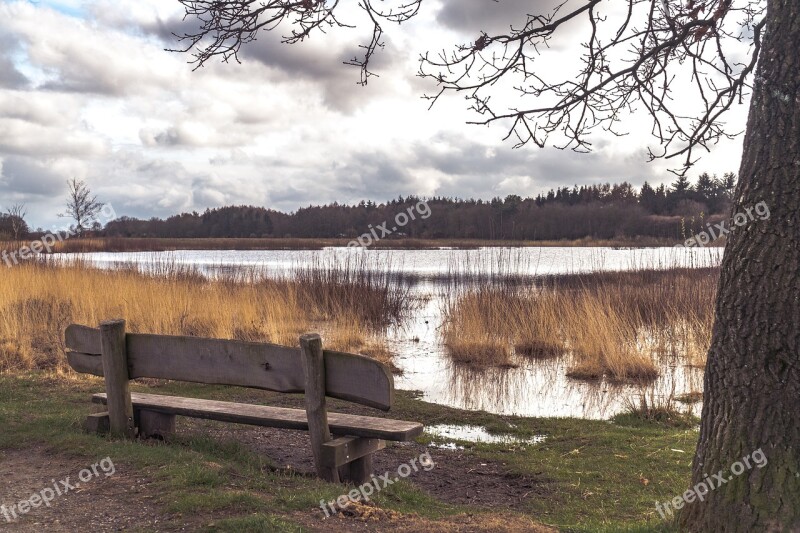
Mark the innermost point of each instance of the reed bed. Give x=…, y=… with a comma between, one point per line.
x=619, y=325
x=39, y=299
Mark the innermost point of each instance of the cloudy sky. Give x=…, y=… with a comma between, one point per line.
x=87, y=91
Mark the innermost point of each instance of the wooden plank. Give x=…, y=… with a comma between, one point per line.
x=360, y=470
x=155, y=425
x=265, y=366
x=358, y=379
x=316, y=411
x=97, y=423
x=217, y=362
x=85, y=363
x=83, y=339
x=277, y=417
x=345, y=450
x=115, y=372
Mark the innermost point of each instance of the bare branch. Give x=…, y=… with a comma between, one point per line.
x=638, y=54
x=226, y=26
x=633, y=57
x=82, y=205
x=16, y=215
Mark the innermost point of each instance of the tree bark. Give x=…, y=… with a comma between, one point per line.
x=752, y=380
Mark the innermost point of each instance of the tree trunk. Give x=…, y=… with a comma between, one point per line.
x=752, y=380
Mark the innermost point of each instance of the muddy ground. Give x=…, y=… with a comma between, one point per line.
x=128, y=501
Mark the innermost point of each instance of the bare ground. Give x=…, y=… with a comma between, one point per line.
x=128, y=501
x=123, y=501
x=458, y=477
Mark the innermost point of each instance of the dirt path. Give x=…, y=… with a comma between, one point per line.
x=127, y=501
x=457, y=478
x=123, y=500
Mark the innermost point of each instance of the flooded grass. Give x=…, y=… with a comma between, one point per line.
x=620, y=325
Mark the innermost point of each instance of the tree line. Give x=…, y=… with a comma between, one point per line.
x=602, y=211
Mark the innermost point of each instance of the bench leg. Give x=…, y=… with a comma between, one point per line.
x=352, y=457
x=361, y=470
x=155, y=425
x=97, y=423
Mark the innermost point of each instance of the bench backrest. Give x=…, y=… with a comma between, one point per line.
x=271, y=367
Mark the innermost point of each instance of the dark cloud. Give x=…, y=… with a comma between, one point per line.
x=169, y=137
x=322, y=63
x=167, y=29
x=368, y=174
x=491, y=16
x=474, y=169
x=318, y=59
x=10, y=77
x=81, y=70
x=30, y=177
x=292, y=196
x=457, y=155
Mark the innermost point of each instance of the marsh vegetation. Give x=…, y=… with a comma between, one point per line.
x=618, y=325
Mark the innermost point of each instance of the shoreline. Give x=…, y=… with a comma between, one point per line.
x=135, y=244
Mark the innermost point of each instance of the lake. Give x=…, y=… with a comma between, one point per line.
x=534, y=388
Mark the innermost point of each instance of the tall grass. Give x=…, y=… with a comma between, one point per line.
x=367, y=288
x=619, y=325
x=38, y=300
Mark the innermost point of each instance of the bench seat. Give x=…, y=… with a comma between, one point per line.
x=277, y=417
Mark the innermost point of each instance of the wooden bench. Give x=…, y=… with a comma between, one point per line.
x=342, y=444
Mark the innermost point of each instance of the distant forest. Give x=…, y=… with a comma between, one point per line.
x=594, y=212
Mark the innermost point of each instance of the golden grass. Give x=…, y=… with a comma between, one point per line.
x=603, y=340
x=37, y=301
x=473, y=331
x=617, y=325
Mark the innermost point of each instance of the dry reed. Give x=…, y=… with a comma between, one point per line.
x=37, y=301
x=620, y=325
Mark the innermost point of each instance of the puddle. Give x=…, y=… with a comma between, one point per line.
x=446, y=446
x=476, y=434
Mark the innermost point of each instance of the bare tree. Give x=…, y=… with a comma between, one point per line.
x=82, y=206
x=658, y=57
x=226, y=26
x=16, y=215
